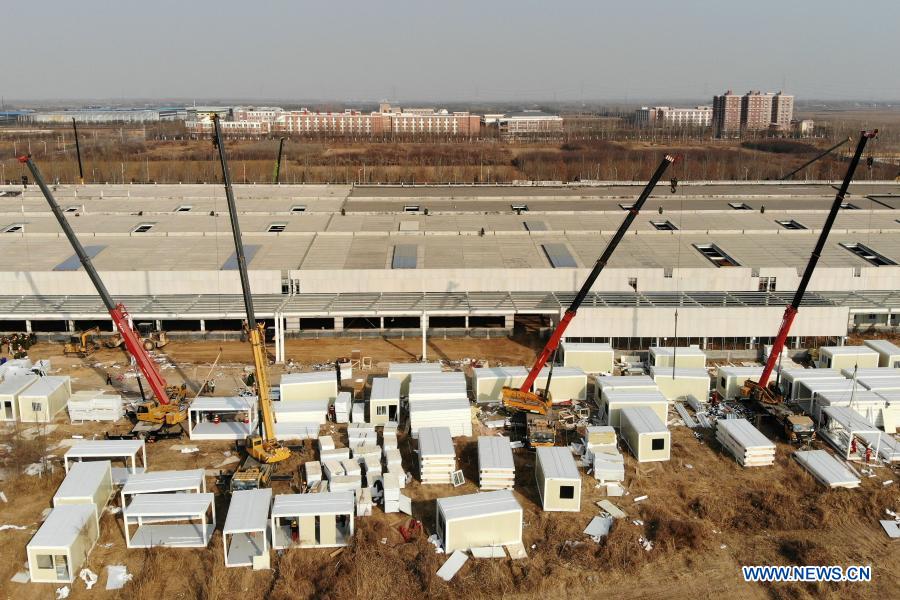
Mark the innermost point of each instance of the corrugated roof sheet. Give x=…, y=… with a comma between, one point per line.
x=248, y=511
x=83, y=479
x=163, y=481
x=557, y=462
x=324, y=503
x=478, y=505
x=62, y=526
x=494, y=452
x=169, y=505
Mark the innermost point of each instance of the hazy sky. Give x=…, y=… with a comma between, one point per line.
x=460, y=50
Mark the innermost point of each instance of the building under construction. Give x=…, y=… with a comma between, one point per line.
x=330, y=259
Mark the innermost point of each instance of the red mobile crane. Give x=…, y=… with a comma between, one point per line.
x=540, y=402
x=767, y=397
x=168, y=409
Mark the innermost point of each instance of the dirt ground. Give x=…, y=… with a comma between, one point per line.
x=706, y=515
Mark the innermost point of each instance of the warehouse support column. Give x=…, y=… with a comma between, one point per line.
x=27, y=326
x=339, y=323
x=424, y=335
x=509, y=321
x=71, y=326
x=202, y=324
x=158, y=325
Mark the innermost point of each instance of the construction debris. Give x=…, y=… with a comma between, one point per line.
x=599, y=527
x=452, y=565
x=611, y=508
x=88, y=577
x=892, y=528
x=488, y=552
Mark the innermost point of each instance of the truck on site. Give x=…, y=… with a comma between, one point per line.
x=262, y=451
x=523, y=401
x=764, y=396
x=168, y=409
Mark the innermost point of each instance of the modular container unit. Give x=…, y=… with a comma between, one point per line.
x=843, y=357
x=730, y=380
x=558, y=480
x=488, y=382
x=646, y=435
x=87, y=483
x=171, y=520
x=384, y=400
x=244, y=538
x=10, y=389
x=454, y=413
x=690, y=357
x=127, y=451
x=879, y=384
x=871, y=373
x=190, y=481
x=590, y=358
x=308, y=411
x=622, y=382
x=789, y=379
x=228, y=418
x=612, y=402
x=477, y=520
x=888, y=352
x=867, y=403
x=402, y=372
x=95, y=405
x=44, y=399
x=318, y=385
x=683, y=383
x=60, y=547
x=567, y=383
x=323, y=520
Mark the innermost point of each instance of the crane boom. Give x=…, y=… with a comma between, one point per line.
x=823, y=154
x=557, y=334
x=265, y=448
x=117, y=312
x=276, y=176
x=791, y=311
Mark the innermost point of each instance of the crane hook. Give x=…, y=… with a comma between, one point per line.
x=674, y=184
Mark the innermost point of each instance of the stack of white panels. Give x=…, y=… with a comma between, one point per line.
x=826, y=469
x=351, y=467
x=366, y=451
x=307, y=411
x=326, y=442
x=598, y=438
x=427, y=386
x=392, y=485
x=342, y=405
x=371, y=467
x=297, y=431
x=496, y=470
x=389, y=438
x=609, y=465
x=455, y=414
x=342, y=483
x=361, y=433
x=334, y=454
x=392, y=460
x=744, y=441
x=313, y=470
x=332, y=468
x=364, y=503
x=358, y=414
x=437, y=456
x=95, y=406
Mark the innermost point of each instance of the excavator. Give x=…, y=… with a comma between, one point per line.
x=764, y=395
x=82, y=344
x=168, y=408
x=262, y=450
x=536, y=406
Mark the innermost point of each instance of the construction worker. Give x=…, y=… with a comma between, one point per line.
x=108, y=379
x=853, y=446
x=868, y=454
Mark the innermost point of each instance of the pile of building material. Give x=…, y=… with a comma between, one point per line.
x=730, y=380
x=826, y=469
x=646, y=434
x=496, y=470
x=95, y=405
x=437, y=455
x=361, y=434
x=613, y=401
x=384, y=400
x=690, y=357
x=602, y=454
x=389, y=435
x=393, y=461
x=342, y=406
x=318, y=385
x=439, y=399
x=10, y=389
x=358, y=412
x=567, y=383
x=590, y=358
x=313, y=470
x=842, y=357
x=345, y=483
x=748, y=446
x=402, y=372
x=488, y=382
x=391, y=485
x=680, y=383
x=44, y=399
x=888, y=352
x=334, y=454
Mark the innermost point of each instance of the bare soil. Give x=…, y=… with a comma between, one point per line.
x=706, y=515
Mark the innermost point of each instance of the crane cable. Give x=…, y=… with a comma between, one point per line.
x=677, y=237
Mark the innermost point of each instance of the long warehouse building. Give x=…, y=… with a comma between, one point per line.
x=726, y=256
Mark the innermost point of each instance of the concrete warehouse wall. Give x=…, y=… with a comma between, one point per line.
x=77, y=283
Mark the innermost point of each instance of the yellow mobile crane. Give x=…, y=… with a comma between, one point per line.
x=263, y=451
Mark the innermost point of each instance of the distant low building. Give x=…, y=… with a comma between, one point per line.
x=804, y=127
x=108, y=115
x=530, y=124
x=667, y=116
